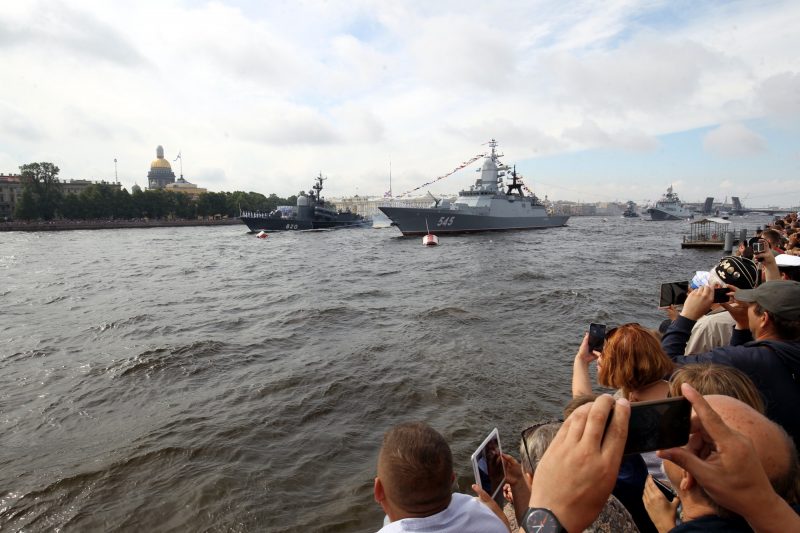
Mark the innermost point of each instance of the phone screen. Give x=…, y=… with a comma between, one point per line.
x=658, y=425
x=721, y=295
x=673, y=293
x=487, y=464
x=597, y=336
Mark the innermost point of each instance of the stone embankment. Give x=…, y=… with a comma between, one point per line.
x=68, y=225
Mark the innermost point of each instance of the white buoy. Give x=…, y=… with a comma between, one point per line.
x=262, y=234
x=430, y=239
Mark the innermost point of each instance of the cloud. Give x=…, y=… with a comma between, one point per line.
x=734, y=140
x=780, y=95
x=56, y=28
x=589, y=135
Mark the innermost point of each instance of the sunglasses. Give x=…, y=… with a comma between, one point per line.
x=527, y=432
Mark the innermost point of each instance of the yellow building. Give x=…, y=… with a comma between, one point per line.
x=183, y=186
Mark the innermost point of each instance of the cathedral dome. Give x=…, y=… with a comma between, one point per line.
x=159, y=161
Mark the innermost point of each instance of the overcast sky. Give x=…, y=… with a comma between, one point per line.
x=600, y=100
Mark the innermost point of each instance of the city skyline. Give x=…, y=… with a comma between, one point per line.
x=593, y=101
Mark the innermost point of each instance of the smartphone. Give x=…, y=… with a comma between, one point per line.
x=658, y=424
x=759, y=247
x=673, y=293
x=597, y=336
x=721, y=295
x=665, y=489
x=487, y=464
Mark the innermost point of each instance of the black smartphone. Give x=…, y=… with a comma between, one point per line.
x=658, y=425
x=597, y=336
x=665, y=489
x=673, y=293
x=721, y=295
x=759, y=247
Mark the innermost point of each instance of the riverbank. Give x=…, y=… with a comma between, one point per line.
x=68, y=225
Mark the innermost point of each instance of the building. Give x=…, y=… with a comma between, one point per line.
x=10, y=189
x=160, y=171
x=183, y=186
x=76, y=187
x=368, y=207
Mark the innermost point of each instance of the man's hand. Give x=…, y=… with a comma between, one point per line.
x=738, y=310
x=487, y=500
x=662, y=511
x=698, y=303
x=579, y=469
x=725, y=464
x=767, y=259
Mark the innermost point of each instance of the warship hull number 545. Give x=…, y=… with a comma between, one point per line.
x=485, y=206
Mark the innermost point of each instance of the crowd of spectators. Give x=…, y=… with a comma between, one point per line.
x=737, y=362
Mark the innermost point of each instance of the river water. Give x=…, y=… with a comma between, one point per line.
x=186, y=379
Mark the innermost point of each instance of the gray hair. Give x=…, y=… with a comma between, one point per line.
x=537, y=443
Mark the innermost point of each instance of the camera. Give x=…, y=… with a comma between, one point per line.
x=759, y=247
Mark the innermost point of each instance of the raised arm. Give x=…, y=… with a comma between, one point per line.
x=581, y=384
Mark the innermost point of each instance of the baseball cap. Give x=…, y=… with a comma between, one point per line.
x=781, y=298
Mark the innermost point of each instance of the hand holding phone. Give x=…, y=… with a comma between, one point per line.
x=597, y=337
x=487, y=465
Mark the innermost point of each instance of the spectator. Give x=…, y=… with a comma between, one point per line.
x=413, y=486
x=632, y=361
x=774, y=451
x=575, y=476
x=765, y=344
x=708, y=378
x=535, y=440
x=716, y=327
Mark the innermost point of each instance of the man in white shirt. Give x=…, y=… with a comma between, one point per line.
x=414, y=483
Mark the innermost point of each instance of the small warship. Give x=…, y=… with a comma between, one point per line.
x=485, y=206
x=311, y=213
x=630, y=211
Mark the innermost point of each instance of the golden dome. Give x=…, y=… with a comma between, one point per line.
x=160, y=162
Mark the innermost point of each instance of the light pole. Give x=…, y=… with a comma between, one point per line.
x=116, y=179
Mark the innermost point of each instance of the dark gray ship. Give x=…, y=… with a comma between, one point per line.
x=311, y=212
x=485, y=206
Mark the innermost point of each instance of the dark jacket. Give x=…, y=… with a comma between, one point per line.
x=774, y=367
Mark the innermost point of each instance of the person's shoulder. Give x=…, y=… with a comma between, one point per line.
x=713, y=523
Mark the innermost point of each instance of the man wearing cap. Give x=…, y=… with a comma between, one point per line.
x=715, y=327
x=765, y=343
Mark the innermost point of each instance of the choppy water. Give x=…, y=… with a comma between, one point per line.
x=202, y=379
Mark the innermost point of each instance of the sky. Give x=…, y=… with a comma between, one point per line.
x=591, y=100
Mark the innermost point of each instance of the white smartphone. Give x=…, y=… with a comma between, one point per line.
x=487, y=464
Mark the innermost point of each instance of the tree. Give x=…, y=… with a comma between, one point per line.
x=26, y=207
x=41, y=179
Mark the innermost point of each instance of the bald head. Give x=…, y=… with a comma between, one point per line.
x=773, y=446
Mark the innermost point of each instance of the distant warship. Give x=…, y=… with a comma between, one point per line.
x=484, y=207
x=669, y=208
x=311, y=213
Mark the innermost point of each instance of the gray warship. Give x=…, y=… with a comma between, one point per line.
x=485, y=206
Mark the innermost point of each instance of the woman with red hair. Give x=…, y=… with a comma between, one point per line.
x=631, y=361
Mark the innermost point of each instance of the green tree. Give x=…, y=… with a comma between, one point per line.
x=41, y=179
x=26, y=206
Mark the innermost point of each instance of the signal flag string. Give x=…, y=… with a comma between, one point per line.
x=462, y=165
